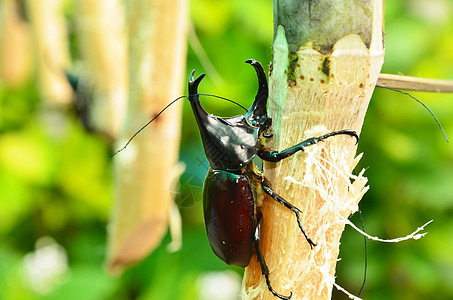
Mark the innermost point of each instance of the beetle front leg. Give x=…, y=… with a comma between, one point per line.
x=288, y=205
x=259, y=254
x=275, y=156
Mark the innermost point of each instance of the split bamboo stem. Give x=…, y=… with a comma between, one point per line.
x=145, y=172
x=326, y=61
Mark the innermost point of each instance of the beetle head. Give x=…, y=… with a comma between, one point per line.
x=230, y=143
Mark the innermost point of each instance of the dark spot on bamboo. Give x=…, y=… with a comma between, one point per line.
x=326, y=66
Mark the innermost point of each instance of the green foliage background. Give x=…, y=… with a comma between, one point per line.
x=55, y=178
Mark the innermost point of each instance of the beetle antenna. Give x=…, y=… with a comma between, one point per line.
x=223, y=98
x=144, y=126
x=168, y=105
x=426, y=107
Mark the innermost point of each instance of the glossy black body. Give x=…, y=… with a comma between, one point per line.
x=229, y=212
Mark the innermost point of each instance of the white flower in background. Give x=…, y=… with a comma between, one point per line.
x=223, y=285
x=46, y=266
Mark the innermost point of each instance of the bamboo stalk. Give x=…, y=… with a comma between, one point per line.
x=321, y=80
x=15, y=42
x=49, y=29
x=145, y=171
x=103, y=44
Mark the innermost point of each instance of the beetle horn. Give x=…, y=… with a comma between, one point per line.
x=201, y=116
x=193, y=86
x=257, y=112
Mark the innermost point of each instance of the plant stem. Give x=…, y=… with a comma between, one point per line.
x=319, y=82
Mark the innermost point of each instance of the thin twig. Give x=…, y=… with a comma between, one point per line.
x=415, y=83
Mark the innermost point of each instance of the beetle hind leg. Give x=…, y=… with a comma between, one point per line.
x=264, y=267
x=288, y=205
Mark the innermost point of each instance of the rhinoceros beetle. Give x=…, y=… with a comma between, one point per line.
x=233, y=188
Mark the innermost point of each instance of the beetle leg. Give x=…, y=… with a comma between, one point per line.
x=275, y=156
x=288, y=205
x=259, y=254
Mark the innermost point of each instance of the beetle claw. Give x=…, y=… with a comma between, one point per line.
x=274, y=292
x=311, y=243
